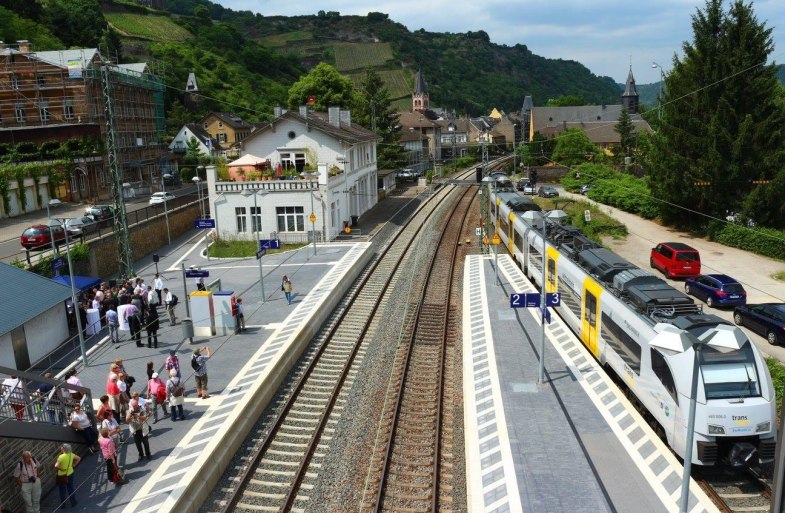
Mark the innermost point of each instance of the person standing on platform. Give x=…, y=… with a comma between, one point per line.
x=158, y=284
x=65, y=464
x=137, y=425
x=240, y=315
x=286, y=286
x=113, y=323
x=199, y=365
x=151, y=298
x=170, y=303
x=175, y=391
x=152, y=325
x=133, y=315
x=172, y=363
x=109, y=452
x=28, y=477
x=76, y=395
x=156, y=393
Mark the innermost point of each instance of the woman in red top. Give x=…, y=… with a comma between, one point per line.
x=113, y=391
x=156, y=392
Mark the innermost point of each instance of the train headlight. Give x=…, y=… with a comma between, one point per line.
x=716, y=430
x=763, y=427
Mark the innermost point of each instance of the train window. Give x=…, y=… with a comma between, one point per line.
x=518, y=240
x=591, y=309
x=728, y=375
x=624, y=345
x=571, y=299
x=535, y=258
x=660, y=368
x=551, y=277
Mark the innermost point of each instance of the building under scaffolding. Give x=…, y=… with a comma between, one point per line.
x=59, y=96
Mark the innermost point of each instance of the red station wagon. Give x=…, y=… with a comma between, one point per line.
x=37, y=236
x=676, y=260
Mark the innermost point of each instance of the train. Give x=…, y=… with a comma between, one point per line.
x=634, y=324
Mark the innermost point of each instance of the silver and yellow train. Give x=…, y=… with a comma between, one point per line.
x=634, y=323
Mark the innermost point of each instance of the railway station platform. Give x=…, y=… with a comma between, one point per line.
x=571, y=444
x=244, y=371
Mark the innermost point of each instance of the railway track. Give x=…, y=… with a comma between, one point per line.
x=735, y=491
x=285, y=463
x=412, y=466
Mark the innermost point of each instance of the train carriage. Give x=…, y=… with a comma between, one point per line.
x=633, y=323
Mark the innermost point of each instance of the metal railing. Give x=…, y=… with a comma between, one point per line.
x=22, y=400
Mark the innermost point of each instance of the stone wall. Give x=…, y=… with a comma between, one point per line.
x=146, y=237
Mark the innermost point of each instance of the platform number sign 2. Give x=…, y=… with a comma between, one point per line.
x=532, y=300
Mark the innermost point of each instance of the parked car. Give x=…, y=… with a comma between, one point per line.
x=527, y=187
x=716, y=290
x=159, y=198
x=676, y=260
x=39, y=236
x=405, y=174
x=585, y=188
x=767, y=319
x=169, y=179
x=547, y=191
x=78, y=226
x=99, y=212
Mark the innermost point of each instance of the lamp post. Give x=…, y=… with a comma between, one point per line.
x=77, y=306
x=514, y=169
x=197, y=181
x=662, y=87
x=312, y=217
x=257, y=228
x=166, y=211
x=52, y=203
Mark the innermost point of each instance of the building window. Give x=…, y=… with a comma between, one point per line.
x=221, y=138
x=68, y=108
x=290, y=219
x=43, y=110
x=14, y=82
x=239, y=213
x=256, y=219
x=20, y=112
x=39, y=78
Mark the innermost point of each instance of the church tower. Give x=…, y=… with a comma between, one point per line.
x=420, y=97
x=630, y=97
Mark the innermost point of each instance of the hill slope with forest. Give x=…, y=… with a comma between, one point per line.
x=246, y=62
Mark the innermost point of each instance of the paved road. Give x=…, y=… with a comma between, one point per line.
x=753, y=271
x=12, y=228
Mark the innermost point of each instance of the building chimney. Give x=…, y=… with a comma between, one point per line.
x=346, y=117
x=24, y=45
x=304, y=111
x=277, y=111
x=334, y=116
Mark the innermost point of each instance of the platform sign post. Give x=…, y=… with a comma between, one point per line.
x=496, y=240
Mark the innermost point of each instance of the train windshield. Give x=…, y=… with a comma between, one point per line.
x=729, y=375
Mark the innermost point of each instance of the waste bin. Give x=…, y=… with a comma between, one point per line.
x=355, y=221
x=188, y=328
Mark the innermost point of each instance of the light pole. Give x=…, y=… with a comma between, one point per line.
x=312, y=217
x=166, y=211
x=77, y=306
x=662, y=87
x=257, y=228
x=514, y=169
x=52, y=203
x=197, y=181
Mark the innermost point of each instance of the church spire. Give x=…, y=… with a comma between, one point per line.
x=630, y=97
x=419, y=97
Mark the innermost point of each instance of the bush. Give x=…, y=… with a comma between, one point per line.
x=763, y=241
x=614, y=188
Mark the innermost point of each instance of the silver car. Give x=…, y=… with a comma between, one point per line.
x=78, y=226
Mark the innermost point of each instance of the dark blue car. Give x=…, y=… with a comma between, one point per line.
x=716, y=290
x=767, y=319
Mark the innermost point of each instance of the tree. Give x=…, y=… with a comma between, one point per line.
x=721, y=126
x=373, y=108
x=77, y=23
x=626, y=133
x=573, y=147
x=326, y=85
x=571, y=100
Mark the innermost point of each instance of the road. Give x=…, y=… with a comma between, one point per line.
x=751, y=270
x=12, y=228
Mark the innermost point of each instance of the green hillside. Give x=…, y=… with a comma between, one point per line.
x=147, y=26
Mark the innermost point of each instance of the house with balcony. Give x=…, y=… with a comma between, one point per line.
x=319, y=163
x=228, y=129
x=207, y=144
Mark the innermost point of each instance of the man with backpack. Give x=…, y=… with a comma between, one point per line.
x=176, y=393
x=171, y=301
x=199, y=365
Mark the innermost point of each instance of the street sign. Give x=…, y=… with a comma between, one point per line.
x=478, y=231
x=260, y=253
x=526, y=300
x=496, y=239
x=194, y=273
x=552, y=299
x=347, y=229
x=58, y=263
x=587, y=215
x=269, y=244
x=204, y=223
x=312, y=218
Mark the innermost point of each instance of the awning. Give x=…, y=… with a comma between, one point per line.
x=80, y=282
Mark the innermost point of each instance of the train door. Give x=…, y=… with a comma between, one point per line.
x=511, y=236
x=590, y=323
x=551, y=277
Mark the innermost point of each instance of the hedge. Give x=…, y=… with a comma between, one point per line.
x=763, y=241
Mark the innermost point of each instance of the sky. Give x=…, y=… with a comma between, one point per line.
x=606, y=36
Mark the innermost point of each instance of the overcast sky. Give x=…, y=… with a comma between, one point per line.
x=604, y=35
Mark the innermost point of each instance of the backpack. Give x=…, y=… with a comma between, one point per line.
x=194, y=363
x=173, y=301
x=177, y=390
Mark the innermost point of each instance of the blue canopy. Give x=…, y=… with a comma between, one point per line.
x=80, y=282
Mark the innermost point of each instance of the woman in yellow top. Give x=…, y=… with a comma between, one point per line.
x=65, y=464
